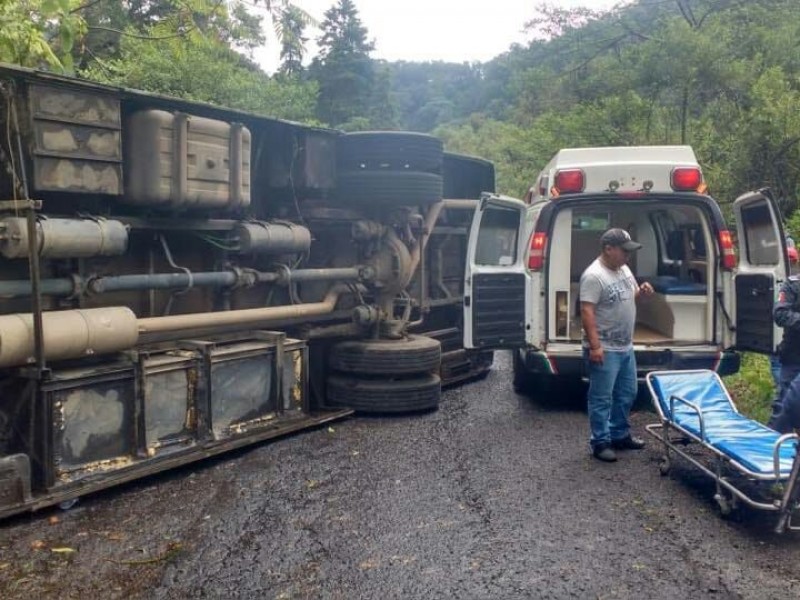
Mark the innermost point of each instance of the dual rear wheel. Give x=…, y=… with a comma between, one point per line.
x=385, y=376
x=387, y=169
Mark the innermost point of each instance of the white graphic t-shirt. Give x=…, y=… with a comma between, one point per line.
x=614, y=295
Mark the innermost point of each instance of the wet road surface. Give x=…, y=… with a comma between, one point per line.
x=493, y=496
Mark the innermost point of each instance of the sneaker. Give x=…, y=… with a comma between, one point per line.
x=628, y=443
x=604, y=452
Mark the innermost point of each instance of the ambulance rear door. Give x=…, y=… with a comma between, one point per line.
x=761, y=269
x=497, y=281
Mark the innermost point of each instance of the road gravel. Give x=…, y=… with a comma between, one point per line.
x=492, y=496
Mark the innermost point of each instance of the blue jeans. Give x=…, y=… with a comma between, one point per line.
x=612, y=391
x=788, y=418
x=788, y=373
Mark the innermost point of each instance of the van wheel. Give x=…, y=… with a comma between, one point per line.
x=414, y=354
x=389, y=150
x=389, y=188
x=384, y=395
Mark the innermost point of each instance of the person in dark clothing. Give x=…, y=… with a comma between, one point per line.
x=786, y=408
x=788, y=419
x=774, y=359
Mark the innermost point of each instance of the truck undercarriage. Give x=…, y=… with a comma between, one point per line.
x=179, y=280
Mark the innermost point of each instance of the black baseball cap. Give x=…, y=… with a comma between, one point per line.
x=619, y=237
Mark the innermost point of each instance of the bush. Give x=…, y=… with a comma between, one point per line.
x=752, y=387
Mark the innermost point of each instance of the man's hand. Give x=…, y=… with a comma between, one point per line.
x=646, y=289
x=589, y=322
x=596, y=355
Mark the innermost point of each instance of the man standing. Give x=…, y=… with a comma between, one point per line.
x=608, y=294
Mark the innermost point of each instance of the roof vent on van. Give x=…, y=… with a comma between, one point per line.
x=568, y=181
x=687, y=179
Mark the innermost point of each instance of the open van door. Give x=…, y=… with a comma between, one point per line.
x=761, y=270
x=496, y=280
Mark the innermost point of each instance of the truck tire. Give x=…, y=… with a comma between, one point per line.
x=414, y=354
x=389, y=150
x=389, y=188
x=384, y=395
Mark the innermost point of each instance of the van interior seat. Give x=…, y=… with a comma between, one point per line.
x=676, y=246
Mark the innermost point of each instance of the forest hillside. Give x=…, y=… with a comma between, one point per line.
x=720, y=75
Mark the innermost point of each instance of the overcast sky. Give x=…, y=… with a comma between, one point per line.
x=420, y=30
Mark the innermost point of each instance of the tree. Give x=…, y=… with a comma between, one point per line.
x=58, y=34
x=433, y=93
x=40, y=33
x=292, y=24
x=344, y=70
x=203, y=70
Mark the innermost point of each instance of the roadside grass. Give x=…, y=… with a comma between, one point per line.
x=752, y=387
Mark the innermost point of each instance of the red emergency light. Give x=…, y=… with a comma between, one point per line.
x=686, y=179
x=569, y=181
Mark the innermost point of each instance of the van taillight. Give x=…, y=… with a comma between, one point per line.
x=728, y=254
x=569, y=181
x=686, y=179
x=536, y=255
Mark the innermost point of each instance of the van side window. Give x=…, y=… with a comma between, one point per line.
x=498, y=237
x=590, y=221
x=680, y=241
x=761, y=244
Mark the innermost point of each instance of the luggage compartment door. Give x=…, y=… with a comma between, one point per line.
x=496, y=280
x=761, y=270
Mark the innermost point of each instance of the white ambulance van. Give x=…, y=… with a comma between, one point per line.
x=525, y=260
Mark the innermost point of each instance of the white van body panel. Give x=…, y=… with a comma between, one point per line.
x=631, y=168
x=563, y=295
x=497, y=283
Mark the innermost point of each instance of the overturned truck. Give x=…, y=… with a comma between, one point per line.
x=179, y=279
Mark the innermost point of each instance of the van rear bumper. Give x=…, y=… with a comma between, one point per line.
x=724, y=362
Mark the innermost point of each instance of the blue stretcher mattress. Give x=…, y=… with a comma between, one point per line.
x=668, y=285
x=748, y=442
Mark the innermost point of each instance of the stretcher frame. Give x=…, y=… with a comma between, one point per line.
x=789, y=487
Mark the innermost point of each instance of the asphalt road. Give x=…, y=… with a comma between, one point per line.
x=493, y=496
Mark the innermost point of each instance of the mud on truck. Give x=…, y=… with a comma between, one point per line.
x=179, y=279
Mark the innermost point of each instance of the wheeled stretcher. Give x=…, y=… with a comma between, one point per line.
x=748, y=461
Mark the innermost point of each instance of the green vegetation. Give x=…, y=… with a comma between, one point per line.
x=752, y=388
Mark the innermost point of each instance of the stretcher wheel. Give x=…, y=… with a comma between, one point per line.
x=664, y=467
x=725, y=505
